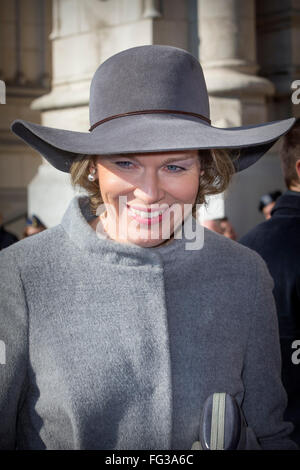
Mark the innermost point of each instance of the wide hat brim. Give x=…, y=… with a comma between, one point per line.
x=150, y=133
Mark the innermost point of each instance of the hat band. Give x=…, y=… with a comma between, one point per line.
x=149, y=111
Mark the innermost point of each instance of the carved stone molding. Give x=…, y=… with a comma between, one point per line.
x=152, y=9
x=228, y=49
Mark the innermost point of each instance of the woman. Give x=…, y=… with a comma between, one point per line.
x=115, y=336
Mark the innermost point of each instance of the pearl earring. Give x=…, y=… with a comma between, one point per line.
x=91, y=176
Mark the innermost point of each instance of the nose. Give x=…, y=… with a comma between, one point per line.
x=149, y=188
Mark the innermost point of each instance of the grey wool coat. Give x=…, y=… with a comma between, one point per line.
x=114, y=346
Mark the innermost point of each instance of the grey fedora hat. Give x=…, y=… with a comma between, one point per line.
x=149, y=99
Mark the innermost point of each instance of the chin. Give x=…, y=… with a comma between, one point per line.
x=147, y=243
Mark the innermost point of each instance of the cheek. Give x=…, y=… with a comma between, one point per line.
x=110, y=184
x=184, y=189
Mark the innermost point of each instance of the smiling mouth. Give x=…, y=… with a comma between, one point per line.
x=150, y=217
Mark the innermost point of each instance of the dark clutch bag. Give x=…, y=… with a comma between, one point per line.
x=222, y=425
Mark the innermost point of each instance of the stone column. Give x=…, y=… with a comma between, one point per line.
x=227, y=53
x=25, y=70
x=278, y=29
x=228, y=56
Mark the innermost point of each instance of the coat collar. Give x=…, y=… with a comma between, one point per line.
x=287, y=204
x=75, y=223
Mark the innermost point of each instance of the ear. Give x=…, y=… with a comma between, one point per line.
x=298, y=168
x=93, y=163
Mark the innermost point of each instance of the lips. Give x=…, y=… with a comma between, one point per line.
x=146, y=216
x=146, y=209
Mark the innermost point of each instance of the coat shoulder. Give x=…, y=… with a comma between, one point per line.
x=277, y=235
x=257, y=231
x=238, y=267
x=234, y=252
x=33, y=247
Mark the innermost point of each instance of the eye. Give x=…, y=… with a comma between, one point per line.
x=176, y=167
x=123, y=164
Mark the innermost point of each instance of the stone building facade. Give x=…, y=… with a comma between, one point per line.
x=50, y=50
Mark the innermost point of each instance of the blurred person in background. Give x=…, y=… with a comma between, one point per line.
x=222, y=226
x=277, y=240
x=267, y=202
x=33, y=225
x=6, y=238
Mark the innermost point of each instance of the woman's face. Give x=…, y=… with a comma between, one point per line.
x=147, y=184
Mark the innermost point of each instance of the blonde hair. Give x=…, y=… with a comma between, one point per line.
x=217, y=164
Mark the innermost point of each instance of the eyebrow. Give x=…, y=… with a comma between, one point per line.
x=168, y=160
